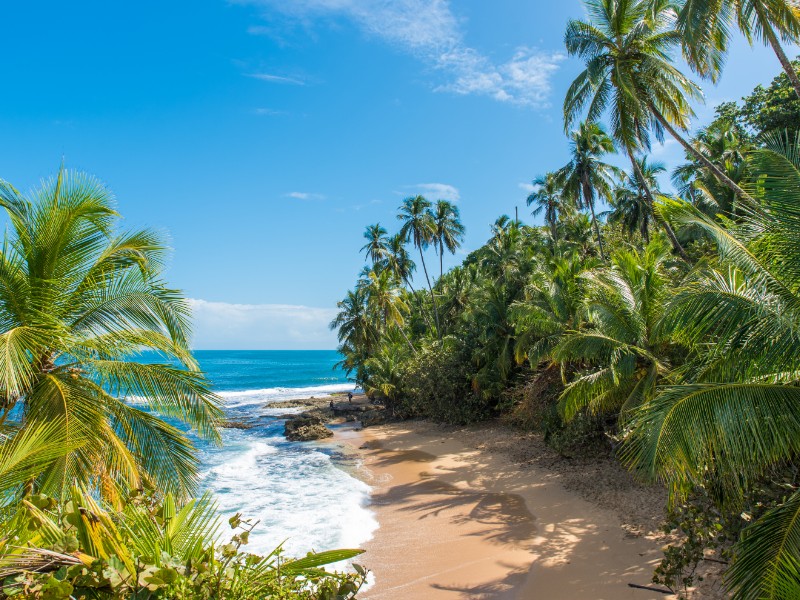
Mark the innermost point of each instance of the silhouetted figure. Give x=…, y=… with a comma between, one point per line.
x=349, y=396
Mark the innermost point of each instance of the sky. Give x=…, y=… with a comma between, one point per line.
x=262, y=136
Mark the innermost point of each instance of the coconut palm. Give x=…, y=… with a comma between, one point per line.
x=737, y=415
x=627, y=46
x=447, y=230
x=418, y=228
x=630, y=207
x=624, y=304
x=705, y=29
x=586, y=178
x=553, y=305
x=385, y=298
x=377, y=246
x=547, y=198
x=79, y=302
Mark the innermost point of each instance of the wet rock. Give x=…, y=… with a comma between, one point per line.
x=306, y=428
x=236, y=425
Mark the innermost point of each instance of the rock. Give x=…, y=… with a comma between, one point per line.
x=306, y=428
x=373, y=417
x=236, y=425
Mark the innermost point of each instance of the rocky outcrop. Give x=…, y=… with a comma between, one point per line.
x=236, y=425
x=305, y=428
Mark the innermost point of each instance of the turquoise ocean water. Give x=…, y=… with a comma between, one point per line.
x=302, y=493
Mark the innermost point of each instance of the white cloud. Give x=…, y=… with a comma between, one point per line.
x=305, y=196
x=430, y=30
x=224, y=326
x=528, y=188
x=276, y=78
x=438, y=191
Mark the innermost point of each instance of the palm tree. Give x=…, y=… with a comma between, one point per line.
x=553, y=305
x=79, y=301
x=737, y=415
x=547, y=198
x=631, y=208
x=448, y=230
x=586, y=177
x=385, y=298
x=418, y=228
x=399, y=261
x=627, y=47
x=377, y=246
x=705, y=25
x=624, y=304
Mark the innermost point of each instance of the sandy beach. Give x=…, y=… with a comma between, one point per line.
x=479, y=513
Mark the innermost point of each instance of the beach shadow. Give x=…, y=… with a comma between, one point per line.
x=505, y=518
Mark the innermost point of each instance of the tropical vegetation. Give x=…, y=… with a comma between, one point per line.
x=96, y=485
x=653, y=314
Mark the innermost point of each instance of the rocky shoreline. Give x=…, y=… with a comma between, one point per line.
x=311, y=424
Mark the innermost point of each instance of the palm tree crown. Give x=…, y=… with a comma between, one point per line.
x=79, y=302
x=586, y=177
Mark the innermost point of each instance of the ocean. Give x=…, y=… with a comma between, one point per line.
x=304, y=495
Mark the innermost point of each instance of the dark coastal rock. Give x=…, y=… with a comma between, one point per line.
x=375, y=416
x=236, y=425
x=306, y=428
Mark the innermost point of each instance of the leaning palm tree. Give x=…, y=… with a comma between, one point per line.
x=79, y=302
x=705, y=28
x=586, y=177
x=418, y=228
x=377, y=247
x=448, y=230
x=736, y=417
x=627, y=46
x=547, y=198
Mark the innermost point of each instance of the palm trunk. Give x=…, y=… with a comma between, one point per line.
x=587, y=195
x=776, y=46
x=430, y=287
x=441, y=260
x=676, y=245
x=724, y=179
x=408, y=341
x=419, y=303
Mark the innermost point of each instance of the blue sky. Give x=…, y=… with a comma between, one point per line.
x=263, y=135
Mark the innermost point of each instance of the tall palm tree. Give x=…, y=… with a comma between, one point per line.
x=547, y=198
x=399, y=261
x=737, y=416
x=448, y=230
x=377, y=246
x=705, y=30
x=418, y=228
x=586, y=177
x=627, y=46
x=631, y=208
x=79, y=301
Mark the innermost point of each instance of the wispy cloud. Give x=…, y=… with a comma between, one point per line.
x=437, y=191
x=305, y=196
x=429, y=30
x=276, y=78
x=226, y=326
x=527, y=187
x=269, y=112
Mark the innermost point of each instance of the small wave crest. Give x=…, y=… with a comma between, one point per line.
x=276, y=394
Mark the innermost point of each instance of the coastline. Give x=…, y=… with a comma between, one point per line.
x=484, y=513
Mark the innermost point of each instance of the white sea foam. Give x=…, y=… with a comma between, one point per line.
x=295, y=491
x=276, y=394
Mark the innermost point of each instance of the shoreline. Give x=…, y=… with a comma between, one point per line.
x=484, y=513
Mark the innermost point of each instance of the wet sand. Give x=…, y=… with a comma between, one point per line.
x=460, y=522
